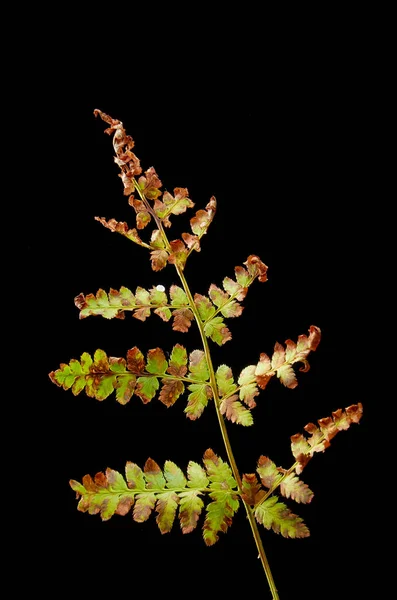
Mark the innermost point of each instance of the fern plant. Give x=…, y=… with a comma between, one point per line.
x=207, y=494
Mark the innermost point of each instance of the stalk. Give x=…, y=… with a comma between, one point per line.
x=226, y=441
x=221, y=421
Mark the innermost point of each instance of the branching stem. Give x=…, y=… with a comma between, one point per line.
x=225, y=437
x=221, y=421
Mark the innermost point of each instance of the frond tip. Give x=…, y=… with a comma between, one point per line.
x=169, y=492
x=319, y=439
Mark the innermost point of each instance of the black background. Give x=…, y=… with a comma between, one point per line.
x=280, y=143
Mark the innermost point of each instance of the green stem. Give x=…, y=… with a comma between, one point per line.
x=225, y=437
x=222, y=425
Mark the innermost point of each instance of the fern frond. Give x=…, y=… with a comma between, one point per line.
x=101, y=375
x=153, y=204
x=303, y=446
x=257, y=376
x=226, y=303
x=117, y=302
x=166, y=491
x=290, y=484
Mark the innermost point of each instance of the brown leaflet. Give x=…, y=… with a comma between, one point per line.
x=256, y=267
x=178, y=254
x=124, y=506
x=158, y=259
x=171, y=390
x=135, y=361
x=303, y=448
x=182, y=319
x=150, y=184
x=202, y=219
x=252, y=491
x=122, y=228
x=191, y=241
x=122, y=144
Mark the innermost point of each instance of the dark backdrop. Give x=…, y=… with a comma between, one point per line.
x=281, y=151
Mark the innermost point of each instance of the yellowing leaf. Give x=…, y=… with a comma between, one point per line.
x=235, y=411
x=170, y=391
x=268, y=472
x=198, y=366
x=275, y=515
x=225, y=380
x=197, y=400
x=174, y=475
x=165, y=491
x=190, y=509
x=217, y=331
x=303, y=448
x=166, y=506
x=293, y=487
x=219, y=515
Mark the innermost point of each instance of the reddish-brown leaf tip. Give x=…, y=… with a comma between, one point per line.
x=209, y=454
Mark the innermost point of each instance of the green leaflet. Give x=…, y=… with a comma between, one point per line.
x=101, y=375
x=232, y=408
x=275, y=515
x=268, y=472
x=198, y=366
x=166, y=506
x=197, y=400
x=225, y=380
x=190, y=507
x=174, y=475
x=166, y=491
x=217, y=331
x=116, y=303
x=219, y=515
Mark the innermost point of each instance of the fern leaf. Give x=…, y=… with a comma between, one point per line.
x=304, y=447
x=203, y=218
x=174, y=475
x=225, y=500
x=268, y=472
x=179, y=253
x=182, y=314
x=116, y=303
x=198, y=398
x=166, y=506
x=101, y=375
x=166, y=491
x=252, y=491
x=292, y=487
x=248, y=388
x=198, y=366
x=275, y=515
x=176, y=204
x=219, y=515
x=190, y=508
x=122, y=228
x=233, y=410
x=170, y=391
x=217, y=331
x=218, y=471
x=225, y=381
x=150, y=184
x=257, y=376
x=224, y=304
